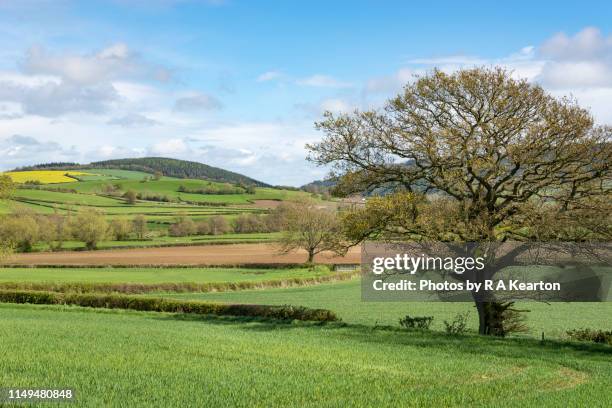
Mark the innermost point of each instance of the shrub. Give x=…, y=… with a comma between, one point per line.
x=457, y=325
x=417, y=322
x=109, y=188
x=139, y=226
x=130, y=197
x=90, y=227
x=218, y=225
x=33, y=182
x=141, y=303
x=224, y=188
x=203, y=228
x=249, y=223
x=594, y=335
x=146, y=196
x=120, y=229
x=182, y=228
x=20, y=230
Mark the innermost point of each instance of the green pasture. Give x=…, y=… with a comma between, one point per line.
x=169, y=187
x=155, y=275
x=55, y=197
x=231, y=238
x=125, y=358
x=344, y=298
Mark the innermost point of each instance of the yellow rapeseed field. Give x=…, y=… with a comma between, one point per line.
x=44, y=176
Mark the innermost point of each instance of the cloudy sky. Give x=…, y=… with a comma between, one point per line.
x=239, y=84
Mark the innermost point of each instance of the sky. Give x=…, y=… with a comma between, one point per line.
x=239, y=84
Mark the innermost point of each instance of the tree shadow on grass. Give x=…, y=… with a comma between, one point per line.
x=476, y=345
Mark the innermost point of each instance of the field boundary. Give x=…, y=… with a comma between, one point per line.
x=197, y=242
x=171, y=287
x=151, y=304
x=262, y=265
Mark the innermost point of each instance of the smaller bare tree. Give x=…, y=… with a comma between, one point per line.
x=139, y=226
x=310, y=227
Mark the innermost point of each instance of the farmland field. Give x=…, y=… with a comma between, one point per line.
x=162, y=201
x=344, y=298
x=190, y=255
x=66, y=198
x=127, y=358
x=162, y=241
x=153, y=275
x=44, y=176
x=143, y=358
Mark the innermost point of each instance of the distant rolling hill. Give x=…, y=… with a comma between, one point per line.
x=168, y=167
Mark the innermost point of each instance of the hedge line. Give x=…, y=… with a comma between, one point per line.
x=178, y=287
x=200, y=242
x=115, y=301
x=171, y=266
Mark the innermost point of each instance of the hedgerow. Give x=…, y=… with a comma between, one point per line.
x=116, y=301
x=172, y=287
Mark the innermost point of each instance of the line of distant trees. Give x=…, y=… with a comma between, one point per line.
x=218, y=225
x=23, y=229
x=224, y=188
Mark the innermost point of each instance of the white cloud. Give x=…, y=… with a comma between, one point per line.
x=197, y=102
x=323, y=81
x=169, y=147
x=17, y=150
x=133, y=120
x=114, y=62
x=576, y=74
x=53, y=85
x=54, y=99
x=582, y=60
x=106, y=152
x=578, y=65
x=588, y=44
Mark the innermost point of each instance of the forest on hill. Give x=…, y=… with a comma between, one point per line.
x=167, y=166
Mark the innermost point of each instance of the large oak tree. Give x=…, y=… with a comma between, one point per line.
x=475, y=155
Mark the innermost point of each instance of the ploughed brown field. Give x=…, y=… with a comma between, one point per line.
x=237, y=254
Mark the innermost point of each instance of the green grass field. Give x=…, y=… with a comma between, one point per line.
x=154, y=275
x=173, y=241
x=92, y=192
x=344, y=298
x=67, y=198
x=169, y=187
x=124, y=358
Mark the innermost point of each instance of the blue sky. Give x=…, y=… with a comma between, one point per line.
x=239, y=84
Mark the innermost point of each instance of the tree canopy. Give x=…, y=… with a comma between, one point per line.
x=475, y=155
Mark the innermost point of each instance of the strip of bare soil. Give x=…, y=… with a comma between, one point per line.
x=238, y=254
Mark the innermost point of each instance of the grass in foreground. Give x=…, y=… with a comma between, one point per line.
x=344, y=298
x=154, y=359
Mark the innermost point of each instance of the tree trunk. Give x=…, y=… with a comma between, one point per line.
x=483, y=324
x=490, y=317
x=310, y=256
